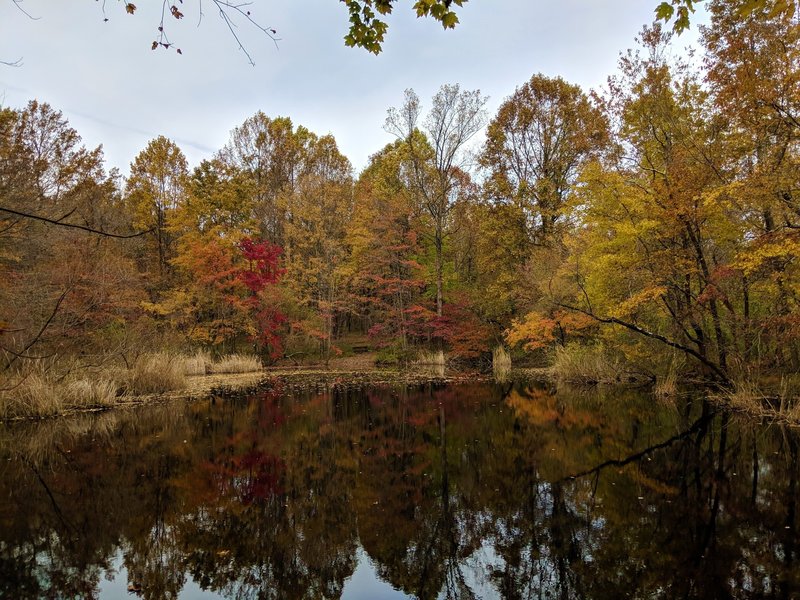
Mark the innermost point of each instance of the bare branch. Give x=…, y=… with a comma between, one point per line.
x=44, y=327
x=18, y=5
x=229, y=11
x=224, y=5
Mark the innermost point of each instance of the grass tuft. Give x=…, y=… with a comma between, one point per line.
x=89, y=393
x=237, y=363
x=156, y=374
x=197, y=364
x=501, y=364
x=577, y=363
x=427, y=357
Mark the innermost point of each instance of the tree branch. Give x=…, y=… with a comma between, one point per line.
x=41, y=331
x=723, y=378
x=60, y=223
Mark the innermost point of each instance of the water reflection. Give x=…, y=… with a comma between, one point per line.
x=469, y=491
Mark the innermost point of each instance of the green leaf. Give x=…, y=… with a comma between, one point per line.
x=664, y=11
x=449, y=20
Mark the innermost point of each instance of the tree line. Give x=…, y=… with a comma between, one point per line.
x=655, y=221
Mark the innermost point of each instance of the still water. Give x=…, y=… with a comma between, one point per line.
x=461, y=491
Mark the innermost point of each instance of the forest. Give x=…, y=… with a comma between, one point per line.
x=649, y=230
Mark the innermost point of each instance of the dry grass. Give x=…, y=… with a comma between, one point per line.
x=585, y=365
x=666, y=385
x=34, y=396
x=501, y=364
x=197, y=364
x=155, y=374
x=501, y=358
x=237, y=363
x=38, y=394
x=90, y=393
x=41, y=393
x=426, y=357
x=749, y=397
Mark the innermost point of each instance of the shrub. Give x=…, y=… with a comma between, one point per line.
x=393, y=355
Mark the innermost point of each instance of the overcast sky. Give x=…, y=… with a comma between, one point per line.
x=117, y=92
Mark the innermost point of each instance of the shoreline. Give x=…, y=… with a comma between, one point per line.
x=318, y=378
x=314, y=378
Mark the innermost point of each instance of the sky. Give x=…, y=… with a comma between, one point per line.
x=116, y=91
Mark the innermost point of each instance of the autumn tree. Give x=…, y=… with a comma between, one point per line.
x=63, y=283
x=207, y=301
x=154, y=191
x=273, y=153
x=317, y=215
x=436, y=157
x=536, y=145
x=680, y=11
x=382, y=269
x=752, y=66
x=651, y=245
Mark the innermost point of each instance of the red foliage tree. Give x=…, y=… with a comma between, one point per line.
x=262, y=272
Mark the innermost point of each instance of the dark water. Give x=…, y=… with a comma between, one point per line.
x=471, y=491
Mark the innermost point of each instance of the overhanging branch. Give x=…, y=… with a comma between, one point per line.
x=73, y=225
x=723, y=378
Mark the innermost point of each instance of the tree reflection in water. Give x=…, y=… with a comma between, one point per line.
x=469, y=491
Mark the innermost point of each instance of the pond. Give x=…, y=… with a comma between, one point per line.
x=434, y=491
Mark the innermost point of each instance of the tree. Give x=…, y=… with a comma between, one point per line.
x=382, y=270
x=317, y=214
x=681, y=10
x=536, y=145
x=261, y=272
x=208, y=302
x=62, y=288
x=752, y=67
x=651, y=245
x=436, y=159
x=155, y=190
x=272, y=153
